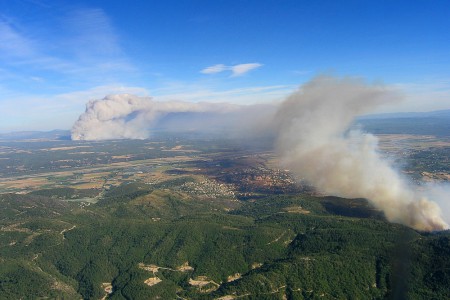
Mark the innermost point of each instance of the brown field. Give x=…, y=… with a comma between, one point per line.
x=122, y=156
x=96, y=177
x=65, y=148
x=24, y=184
x=408, y=141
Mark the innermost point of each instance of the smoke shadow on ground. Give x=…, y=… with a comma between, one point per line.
x=356, y=208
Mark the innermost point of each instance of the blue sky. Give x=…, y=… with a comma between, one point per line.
x=57, y=55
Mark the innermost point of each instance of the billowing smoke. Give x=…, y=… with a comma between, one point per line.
x=313, y=137
x=316, y=143
x=127, y=116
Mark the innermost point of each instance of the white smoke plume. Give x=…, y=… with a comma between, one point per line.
x=313, y=137
x=131, y=117
x=316, y=144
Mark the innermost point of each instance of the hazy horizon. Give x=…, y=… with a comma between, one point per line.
x=371, y=116
x=57, y=56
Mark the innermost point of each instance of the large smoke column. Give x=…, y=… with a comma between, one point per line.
x=313, y=137
x=127, y=116
x=316, y=143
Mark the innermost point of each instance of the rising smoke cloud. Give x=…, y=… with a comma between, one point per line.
x=316, y=143
x=127, y=116
x=313, y=138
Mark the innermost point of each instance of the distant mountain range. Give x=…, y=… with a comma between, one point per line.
x=428, y=123
x=431, y=114
x=31, y=135
x=436, y=123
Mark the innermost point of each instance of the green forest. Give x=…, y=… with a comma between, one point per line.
x=276, y=247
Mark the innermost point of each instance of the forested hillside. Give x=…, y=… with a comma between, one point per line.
x=149, y=243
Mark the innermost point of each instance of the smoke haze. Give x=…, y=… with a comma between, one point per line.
x=313, y=139
x=315, y=143
x=126, y=116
